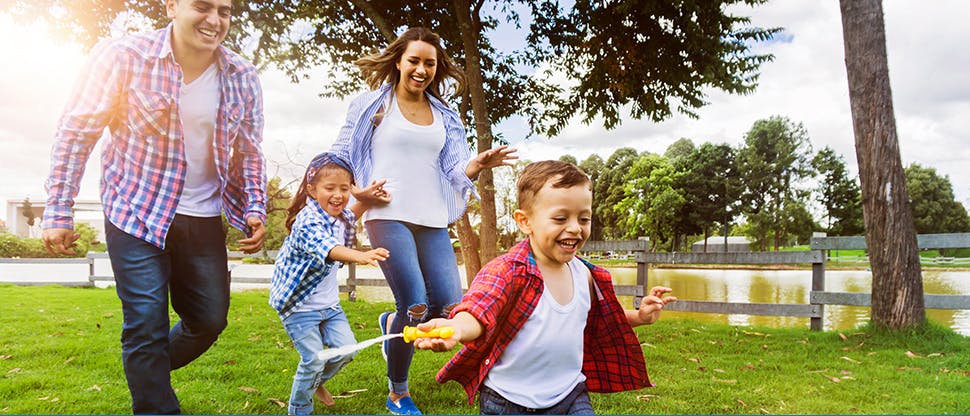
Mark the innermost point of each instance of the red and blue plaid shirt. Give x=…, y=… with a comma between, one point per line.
x=503, y=296
x=131, y=85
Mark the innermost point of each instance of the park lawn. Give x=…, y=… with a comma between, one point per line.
x=60, y=353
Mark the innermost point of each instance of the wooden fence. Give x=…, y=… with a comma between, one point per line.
x=815, y=257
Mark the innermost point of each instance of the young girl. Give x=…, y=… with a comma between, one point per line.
x=304, y=289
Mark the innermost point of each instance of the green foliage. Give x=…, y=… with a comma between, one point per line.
x=839, y=195
x=680, y=149
x=650, y=203
x=935, y=209
x=773, y=163
x=609, y=191
x=711, y=185
x=569, y=159
x=59, y=354
x=13, y=246
x=641, y=55
x=636, y=56
x=278, y=199
x=595, y=167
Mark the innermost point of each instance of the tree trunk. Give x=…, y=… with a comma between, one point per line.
x=469, y=248
x=897, y=285
x=476, y=87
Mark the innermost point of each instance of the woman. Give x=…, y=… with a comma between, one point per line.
x=404, y=133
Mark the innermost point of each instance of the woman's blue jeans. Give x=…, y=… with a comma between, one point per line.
x=310, y=332
x=193, y=271
x=423, y=275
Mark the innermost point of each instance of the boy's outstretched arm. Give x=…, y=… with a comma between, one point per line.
x=650, y=307
x=467, y=328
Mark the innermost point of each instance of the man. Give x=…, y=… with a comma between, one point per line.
x=185, y=120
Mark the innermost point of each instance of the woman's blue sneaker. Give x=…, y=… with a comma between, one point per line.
x=382, y=323
x=405, y=406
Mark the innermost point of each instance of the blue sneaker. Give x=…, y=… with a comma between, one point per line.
x=382, y=323
x=405, y=406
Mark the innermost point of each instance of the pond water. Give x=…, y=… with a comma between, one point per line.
x=761, y=286
x=791, y=286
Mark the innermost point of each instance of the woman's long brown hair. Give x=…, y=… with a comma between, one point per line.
x=381, y=67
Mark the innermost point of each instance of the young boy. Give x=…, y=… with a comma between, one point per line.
x=542, y=327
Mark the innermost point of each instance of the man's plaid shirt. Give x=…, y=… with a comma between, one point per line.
x=302, y=261
x=503, y=296
x=131, y=85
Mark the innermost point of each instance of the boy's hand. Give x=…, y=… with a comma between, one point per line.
x=652, y=304
x=373, y=256
x=372, y=195
x=437, y=344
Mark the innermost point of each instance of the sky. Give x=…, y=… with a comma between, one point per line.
x=806, y=82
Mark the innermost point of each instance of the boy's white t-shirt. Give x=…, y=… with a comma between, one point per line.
x=544, y=362
x=406, y=154
x=198, y=107
x=327, y=294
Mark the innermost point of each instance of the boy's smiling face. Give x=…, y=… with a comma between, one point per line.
x=558, y=223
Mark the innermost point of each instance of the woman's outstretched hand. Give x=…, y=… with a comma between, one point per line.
x=491, y=158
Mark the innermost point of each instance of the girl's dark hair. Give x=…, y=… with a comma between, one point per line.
x=313, y=174
x=381, y=67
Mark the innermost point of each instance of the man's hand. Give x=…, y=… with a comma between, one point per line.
x=60, y=240
x=255, y=242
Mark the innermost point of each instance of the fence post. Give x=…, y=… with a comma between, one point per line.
x=818, y=285
x=90, y=267
x=643, y=272
x=352, y=282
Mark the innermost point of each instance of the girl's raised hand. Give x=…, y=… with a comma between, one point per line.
x=374, y=194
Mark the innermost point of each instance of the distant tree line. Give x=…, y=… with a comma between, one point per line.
x=772, y=188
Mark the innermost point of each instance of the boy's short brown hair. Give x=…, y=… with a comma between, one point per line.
x=536, y=174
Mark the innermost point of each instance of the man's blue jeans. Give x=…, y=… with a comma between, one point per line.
x=423, y=275
x=310, y=332
x=192, y=270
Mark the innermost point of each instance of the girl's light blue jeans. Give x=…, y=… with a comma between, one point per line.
x=423, y=275
x=310, y=332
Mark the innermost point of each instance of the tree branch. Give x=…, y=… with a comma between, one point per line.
x=377, y=18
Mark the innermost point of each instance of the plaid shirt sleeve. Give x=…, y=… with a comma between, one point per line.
x=248, y=149
x=246, y=186
x=89, y=110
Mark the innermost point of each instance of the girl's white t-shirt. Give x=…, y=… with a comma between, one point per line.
x=406, y=155
x=544, y=362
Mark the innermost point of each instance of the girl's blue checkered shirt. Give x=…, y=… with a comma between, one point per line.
x=302, y=262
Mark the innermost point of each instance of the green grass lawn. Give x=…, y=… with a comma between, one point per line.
x=60, y=353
